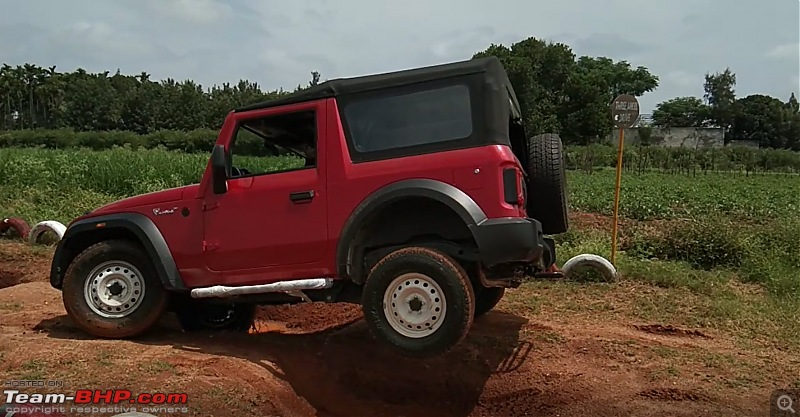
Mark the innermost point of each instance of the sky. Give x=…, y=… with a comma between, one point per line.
x=278, y=43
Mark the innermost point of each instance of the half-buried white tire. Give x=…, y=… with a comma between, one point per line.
x=48, y=226
x=588, y=260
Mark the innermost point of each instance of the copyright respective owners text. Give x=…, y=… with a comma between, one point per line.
x=784, y=403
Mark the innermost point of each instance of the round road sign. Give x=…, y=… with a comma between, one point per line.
x=625, y=111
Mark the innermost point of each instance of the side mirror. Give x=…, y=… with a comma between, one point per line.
x=219, y=169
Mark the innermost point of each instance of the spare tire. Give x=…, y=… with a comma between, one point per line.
x=547, y=183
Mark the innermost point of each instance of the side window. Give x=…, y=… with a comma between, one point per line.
x=418, y=118
x=272, y=144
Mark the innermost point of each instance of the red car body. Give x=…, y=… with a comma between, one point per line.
x=453, y=175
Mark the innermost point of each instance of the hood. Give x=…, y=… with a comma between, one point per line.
x=157, y=197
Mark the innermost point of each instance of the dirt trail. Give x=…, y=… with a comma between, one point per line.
x=320, y=360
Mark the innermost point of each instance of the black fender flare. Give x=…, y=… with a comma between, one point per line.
x=135, y=223
x=461, y=203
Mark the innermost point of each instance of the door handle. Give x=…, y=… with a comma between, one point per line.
x=302, y=196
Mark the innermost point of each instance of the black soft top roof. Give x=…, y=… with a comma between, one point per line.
x=491, y=66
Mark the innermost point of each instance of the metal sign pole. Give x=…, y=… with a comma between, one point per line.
x=615, y=226
x=624, y=112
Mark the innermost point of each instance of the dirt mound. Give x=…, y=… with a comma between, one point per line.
x=10, y=277
x=672, y=394
x=669, y=330
x=305, y=317
x=583, y=221
x=21, y=263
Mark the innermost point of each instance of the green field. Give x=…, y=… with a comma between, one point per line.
x=61, y=184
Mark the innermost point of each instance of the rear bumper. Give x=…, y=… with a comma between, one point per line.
x=510, y=239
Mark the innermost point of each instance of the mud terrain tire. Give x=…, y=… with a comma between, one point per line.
x=438, y=302
x=123, y=269
x=547, y=184
x=487, y=298
x=195, y=315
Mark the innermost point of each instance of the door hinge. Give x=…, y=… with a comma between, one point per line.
x=210, y=246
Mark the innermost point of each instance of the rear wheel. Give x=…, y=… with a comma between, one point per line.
x=547, y=183
x=419, y=301
x=111, y=290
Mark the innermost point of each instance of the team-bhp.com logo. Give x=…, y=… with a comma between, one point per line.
x=92, y=401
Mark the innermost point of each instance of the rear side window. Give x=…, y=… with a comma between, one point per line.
x=412, y=119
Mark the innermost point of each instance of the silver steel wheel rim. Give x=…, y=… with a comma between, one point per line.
x=414, y=305
x=114, y=289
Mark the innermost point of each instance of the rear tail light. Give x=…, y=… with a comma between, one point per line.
x=513, y=186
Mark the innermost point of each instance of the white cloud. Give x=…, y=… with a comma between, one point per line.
x=683, y=78
x=195, y=11
x=102, y=37
x=789, y=50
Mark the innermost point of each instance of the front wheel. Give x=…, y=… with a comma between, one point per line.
x=111, y=290
x=419, y=301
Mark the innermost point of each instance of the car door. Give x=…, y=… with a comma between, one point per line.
x=268, y=219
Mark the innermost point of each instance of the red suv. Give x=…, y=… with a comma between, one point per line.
x=414, y=193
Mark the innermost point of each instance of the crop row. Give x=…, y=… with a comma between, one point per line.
x=650, y=195
x=586, y=158
x=684, y=160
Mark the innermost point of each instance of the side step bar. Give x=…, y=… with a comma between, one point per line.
x=222, y=291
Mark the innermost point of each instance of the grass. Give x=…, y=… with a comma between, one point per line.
x=156, y=367
x=654, y=195
x=33, y=370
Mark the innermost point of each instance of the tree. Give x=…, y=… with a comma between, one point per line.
x=558, y=93
x=681, y=112
x=314, y=79
x=620, y=77
x=792, y=124
x=539, y=72
x=595, y=84
x=793, y=105
x=720, y=95
x=760, y=118
x=36, y=97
